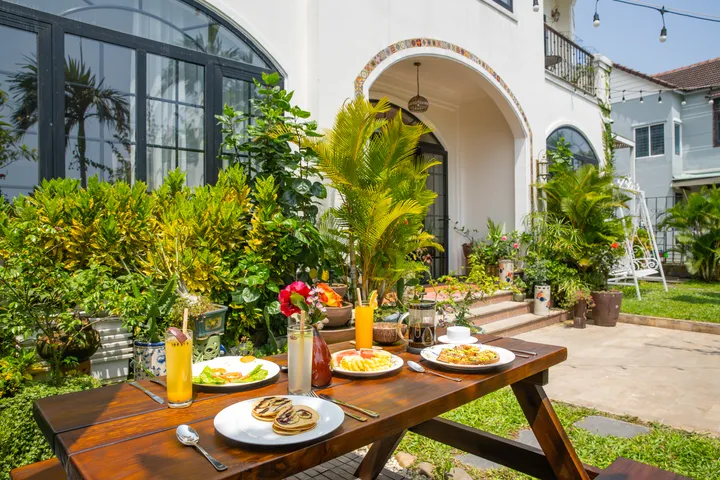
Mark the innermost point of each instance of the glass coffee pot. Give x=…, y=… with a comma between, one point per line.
x=422, y=323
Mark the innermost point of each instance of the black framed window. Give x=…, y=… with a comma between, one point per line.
x=508, y=4
x=583, y=152
x=650, y=140
x=129, y=90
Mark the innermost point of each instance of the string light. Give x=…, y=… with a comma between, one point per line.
x=596, y=17
x=663, y=31
x=659, y=96
x=536, y=6
x=623, y=99
x=684, y=102
x=641, y=97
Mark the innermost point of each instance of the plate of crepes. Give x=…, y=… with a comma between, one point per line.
x=365, y=362
x=467, y=357
x=279, y=420
x=225, y=374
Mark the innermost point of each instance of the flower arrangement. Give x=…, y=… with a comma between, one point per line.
x=300, y=297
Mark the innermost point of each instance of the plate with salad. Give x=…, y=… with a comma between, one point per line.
x=233, y=373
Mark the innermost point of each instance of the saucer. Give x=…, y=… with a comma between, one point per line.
x=468, y=340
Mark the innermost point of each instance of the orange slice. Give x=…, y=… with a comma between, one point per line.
x=372, y=300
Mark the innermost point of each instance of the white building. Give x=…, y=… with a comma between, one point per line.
x=499, y=82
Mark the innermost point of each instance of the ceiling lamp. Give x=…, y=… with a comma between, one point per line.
x=418, y=103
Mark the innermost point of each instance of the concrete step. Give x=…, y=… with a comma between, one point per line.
x=492, y=312
x=525, y=322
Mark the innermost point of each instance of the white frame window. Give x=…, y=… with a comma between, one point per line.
x=650, y=140
x=677, y=137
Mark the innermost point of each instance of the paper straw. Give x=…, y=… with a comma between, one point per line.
x=185, y=321
x=359, y=297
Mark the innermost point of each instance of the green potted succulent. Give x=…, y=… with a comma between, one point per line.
x=518, y=288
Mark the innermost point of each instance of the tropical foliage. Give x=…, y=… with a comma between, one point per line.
x=371, y=162
x=697, y=222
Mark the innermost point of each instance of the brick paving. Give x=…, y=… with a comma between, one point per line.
x=341, y=468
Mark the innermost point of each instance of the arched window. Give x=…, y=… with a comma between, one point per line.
x=579, y=145
x=125, y=89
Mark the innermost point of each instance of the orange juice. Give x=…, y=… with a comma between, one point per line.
x=364, y=326
x=178, y=357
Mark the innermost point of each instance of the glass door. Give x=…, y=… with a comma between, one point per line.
x=436, y=221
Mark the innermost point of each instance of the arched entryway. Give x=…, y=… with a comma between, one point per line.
x=437, y=221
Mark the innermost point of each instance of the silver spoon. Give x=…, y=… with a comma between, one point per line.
x=188, y=436
x=418, y=368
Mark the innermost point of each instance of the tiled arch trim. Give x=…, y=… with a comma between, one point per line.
x=385, y=53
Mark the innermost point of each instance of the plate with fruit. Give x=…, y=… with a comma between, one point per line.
x=232, y=374
x=365, y=362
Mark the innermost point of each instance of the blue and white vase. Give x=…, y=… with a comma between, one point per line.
x=150, y=356
x=542, y=299
x=507, y=270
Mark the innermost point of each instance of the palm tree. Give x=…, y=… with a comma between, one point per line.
x=372, y=164
x=85, y=98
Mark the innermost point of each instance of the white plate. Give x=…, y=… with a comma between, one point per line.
x=237, y=423
x=467, y=341
x=431, y=355
x=397, y=364
x=233, y=364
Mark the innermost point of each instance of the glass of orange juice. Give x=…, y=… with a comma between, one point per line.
x=364, y=325
x=178, y=358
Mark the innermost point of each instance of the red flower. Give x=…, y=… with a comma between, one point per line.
x=284, y=297
x=503, y=238
x=516, y=246
x=614, y=245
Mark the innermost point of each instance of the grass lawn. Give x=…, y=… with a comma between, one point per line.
x=692, y=300
x=690, y=454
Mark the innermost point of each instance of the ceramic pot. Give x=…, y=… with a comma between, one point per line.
x=518, y=297
x=338, y=316
x=80, y=349
x=580, y=314
x=467, y=249
x=541, y=304
x=151, y=356
x=606, y=311
x=507, y=270
x=340, y=288
x=321, y=372
x=210, y=323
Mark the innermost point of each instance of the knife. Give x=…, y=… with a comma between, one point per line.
x=148, y=392
x=359, y=409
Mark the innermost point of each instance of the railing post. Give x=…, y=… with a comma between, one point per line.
x=602, y=66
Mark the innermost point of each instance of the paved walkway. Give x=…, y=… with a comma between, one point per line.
x=656, y=374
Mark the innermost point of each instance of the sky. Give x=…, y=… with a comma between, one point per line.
x=629, y=35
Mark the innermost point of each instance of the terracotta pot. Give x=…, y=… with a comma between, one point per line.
x=580, y=314
x=321, y=373
x=339, y=316
x=340, y=288
x=467, y=249
x=607, y=308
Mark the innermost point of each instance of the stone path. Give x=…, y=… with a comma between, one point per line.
x=656, y=374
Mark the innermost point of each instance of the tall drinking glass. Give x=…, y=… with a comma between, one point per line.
x=178, y=358
x=300, y=347
x=364, y=326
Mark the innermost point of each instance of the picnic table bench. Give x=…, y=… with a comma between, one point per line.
x=117, y=432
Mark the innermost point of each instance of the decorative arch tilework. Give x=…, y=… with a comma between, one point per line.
x=385, y=53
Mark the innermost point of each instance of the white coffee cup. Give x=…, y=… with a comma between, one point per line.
x=458, y=334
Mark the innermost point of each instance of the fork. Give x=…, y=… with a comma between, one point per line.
x=359, y=418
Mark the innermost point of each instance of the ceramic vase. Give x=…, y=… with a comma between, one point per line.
x=321, y=373
x=507, y=270
x=542, y=299
x=149, y=356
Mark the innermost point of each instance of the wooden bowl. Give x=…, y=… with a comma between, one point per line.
x=386, y=333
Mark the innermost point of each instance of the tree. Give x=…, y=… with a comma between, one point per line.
x=85, y=98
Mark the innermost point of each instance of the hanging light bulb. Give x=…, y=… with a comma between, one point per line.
x=623, y=99
x=659, y=96
x=536, y=6
x=641, y=97
x=684, y=102
x=596, y=17
x=418, y=103
x=663, y=31
x=711, y=100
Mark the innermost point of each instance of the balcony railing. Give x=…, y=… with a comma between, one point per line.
x=569, y=61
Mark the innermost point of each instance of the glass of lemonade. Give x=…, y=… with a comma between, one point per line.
x=364, y=314
x=300, y=347
x=178, y=357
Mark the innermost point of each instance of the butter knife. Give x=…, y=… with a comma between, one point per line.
x=367, y=412
x=148, y=392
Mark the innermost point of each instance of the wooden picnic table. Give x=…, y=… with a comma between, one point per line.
x=118, y=432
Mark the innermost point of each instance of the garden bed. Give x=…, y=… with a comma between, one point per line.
x=691, y=300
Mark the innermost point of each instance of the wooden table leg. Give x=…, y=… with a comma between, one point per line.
x=377, y=457
x=549, y=431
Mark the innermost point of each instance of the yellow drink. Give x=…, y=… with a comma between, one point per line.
x=364, y=326
x=178, y=358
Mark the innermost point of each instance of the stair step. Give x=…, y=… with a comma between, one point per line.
x=487, y=313
x=524, y=323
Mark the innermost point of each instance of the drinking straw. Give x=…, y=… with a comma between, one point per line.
x=359, y=297
x=185, y=322
x=302, y=365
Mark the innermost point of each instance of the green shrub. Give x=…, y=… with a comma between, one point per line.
x=21, y=441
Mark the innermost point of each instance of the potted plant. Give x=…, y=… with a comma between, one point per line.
x=574, y=295
x=208, y=323
x=518, y=288
x=470, y=243
x=607, y=302
x=536, y=274
x=337, y=312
